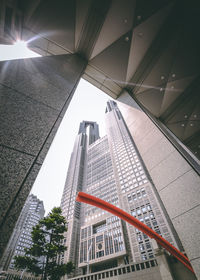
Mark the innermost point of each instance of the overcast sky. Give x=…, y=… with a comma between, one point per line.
x=88, y=103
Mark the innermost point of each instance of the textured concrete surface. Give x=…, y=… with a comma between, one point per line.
x=164, y=173
x=48, y=142
x=187, y=225
x=10, y=159
x=24, y=122
x=152, y=158
x=175, y=180
x=186, y=198
x=34, y=94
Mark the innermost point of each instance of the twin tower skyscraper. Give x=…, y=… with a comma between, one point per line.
x=112, y=169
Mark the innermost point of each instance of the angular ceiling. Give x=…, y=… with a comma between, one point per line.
x=149, y=48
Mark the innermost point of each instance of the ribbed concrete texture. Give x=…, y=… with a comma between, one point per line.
x=175, y=180
x=34, y=94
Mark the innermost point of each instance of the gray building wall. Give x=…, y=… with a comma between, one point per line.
x=70, y=208
x=175, y=180
x=100, y=181
x=21, y=238
x=139, y=271
x=135, y=188
x=74, y=183
x=34, y=95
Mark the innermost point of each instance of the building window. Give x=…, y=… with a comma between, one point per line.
x=99, y=228
x=100, y=254
x=99, y=238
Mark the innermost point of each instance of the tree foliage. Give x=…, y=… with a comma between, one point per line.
x=43, y=256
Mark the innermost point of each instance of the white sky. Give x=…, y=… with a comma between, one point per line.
x=18, y=50
x=88, y=103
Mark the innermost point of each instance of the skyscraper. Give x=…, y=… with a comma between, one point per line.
x=110, y=168
x=74, y=183
x=21, y=239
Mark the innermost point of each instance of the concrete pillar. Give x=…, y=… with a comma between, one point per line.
x=176, y=182
x=170, y=268
x=34, y=95
x=162, y=262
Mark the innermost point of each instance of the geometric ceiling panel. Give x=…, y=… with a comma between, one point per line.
x=184, y=130
x=113, y=60
x=148, y=48
x=184, y=120
x=187, y=59
x=178, y=129
x=145, y=9
x=58, y=26
x=194, y=144
x=142, y=37
x=91, y=27
x=195, y=116
x=152, y=100
x=185, y=111
x=82, y=8
x=173, y=90
x=99, y=80
x=119, y=20
x=159, y=71
x=190, y=129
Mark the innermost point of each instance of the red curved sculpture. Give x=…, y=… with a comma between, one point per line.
x=90, y=199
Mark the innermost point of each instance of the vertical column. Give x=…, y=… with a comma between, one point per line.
x=34, y=95
x=175, y=180
x=2, y=15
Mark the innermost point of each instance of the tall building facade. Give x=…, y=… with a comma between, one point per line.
x=74, y=183
x=21, y=239
x=110, y=168
x=136, y=191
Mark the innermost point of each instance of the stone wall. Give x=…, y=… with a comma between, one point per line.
x=34, y=95
x=175, y=180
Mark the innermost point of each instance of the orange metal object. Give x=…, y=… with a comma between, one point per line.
x=90, y=199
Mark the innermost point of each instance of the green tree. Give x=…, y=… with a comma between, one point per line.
x=42, y=258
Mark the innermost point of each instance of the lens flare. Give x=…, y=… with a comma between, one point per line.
x=21, y=44
x=19, y=50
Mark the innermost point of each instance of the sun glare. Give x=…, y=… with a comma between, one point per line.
x=18, y=50
x=20, y=44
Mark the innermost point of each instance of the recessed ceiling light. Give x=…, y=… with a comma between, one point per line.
x=185, y=116
x=191, y=124
x=161, y=89
x=126, y=39
x=182, y=124
x=195, y=116
x=173, y=75
x=162, y=77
